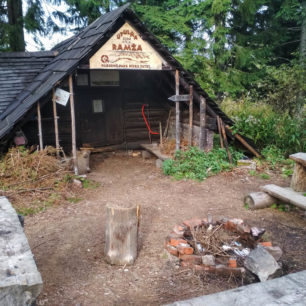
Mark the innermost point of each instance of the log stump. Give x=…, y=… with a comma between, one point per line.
x=121, y=234
x=257, y=200
x=298, y=181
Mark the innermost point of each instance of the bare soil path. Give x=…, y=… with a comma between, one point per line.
x=68, y=240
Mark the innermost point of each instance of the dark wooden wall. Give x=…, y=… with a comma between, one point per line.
x=122, y=121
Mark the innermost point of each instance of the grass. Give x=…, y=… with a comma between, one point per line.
x=198, y=165
x=264, y=176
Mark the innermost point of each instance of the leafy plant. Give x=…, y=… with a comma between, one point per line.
x=198, y=165
x=265, y=176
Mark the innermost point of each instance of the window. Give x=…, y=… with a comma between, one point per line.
x=104, y=78
x=97, y=106
x=82, y=79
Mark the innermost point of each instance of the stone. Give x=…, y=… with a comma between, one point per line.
x=246, y=164
x=77, y=183
x=20, y=281
x=146, y=154
x=159, y=163
x=275, y=251
x=208, y=260
x=286, y=290
x=261, y=263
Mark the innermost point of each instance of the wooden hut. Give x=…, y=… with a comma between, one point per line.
x=105, y=86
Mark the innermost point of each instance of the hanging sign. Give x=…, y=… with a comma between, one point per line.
x=179, y=98
x=61, y=96
x=126, y=50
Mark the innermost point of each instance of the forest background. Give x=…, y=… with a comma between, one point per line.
x=249, y=55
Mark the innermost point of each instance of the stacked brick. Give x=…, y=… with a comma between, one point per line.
x=178, y=243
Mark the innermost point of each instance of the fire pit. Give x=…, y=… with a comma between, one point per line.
x=226, y=246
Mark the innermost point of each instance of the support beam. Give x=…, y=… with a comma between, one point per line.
x=41, y=145
x=202, y=142
x=220, y=132
x=177, y=113
x=190, y=115
x=73, y=129
x=55, y=123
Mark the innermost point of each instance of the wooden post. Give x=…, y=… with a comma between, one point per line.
x=190, y=115
x=121, y=234
x=73, y=130
x=202, y=142
x=41, y=145
x=177, y=113
x=250, y=148
x=225, y=142
x=161, y=134
x=220, y=132
x=55, y=123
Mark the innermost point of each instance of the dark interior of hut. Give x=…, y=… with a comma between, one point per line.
x=110, y=109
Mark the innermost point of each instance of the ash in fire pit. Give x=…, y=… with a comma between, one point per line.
x=227, y=247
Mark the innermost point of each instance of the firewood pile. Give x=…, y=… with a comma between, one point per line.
x=28, y=176
x=227, y=247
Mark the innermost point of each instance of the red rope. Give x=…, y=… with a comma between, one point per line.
x=145, y=119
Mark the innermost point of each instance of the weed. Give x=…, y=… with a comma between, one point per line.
x=197, y=165
x=265, y=176
x=246, y=206
x=89, y=183
x=252, y=172
x=74, y=200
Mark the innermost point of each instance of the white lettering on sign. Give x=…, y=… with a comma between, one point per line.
x=61, y=96
x=126, y=50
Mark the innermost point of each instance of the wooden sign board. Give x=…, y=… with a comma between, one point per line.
x=179, y=98
x=126, y=50
x=61, y=96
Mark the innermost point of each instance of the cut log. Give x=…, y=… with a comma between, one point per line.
x=298, y=181
x=286, y=195
x=121, y=234
x=299, y=158
x=257, y=200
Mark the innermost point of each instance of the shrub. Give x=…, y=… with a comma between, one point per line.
x=198, y=165
x=267, y=127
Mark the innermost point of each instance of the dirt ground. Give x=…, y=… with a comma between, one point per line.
x=68, y=240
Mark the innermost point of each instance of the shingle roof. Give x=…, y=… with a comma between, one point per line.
x=17, y=71
x=71, y=52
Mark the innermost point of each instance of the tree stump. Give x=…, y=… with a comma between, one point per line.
x=257, y=200
x=121, y=234
x=298, y=181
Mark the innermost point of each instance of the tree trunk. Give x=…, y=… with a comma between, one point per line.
x=121, y=235
x=15, y=19
x=301, y=96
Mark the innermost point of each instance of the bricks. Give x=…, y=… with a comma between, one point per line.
x=191, y=259
x=172, y=250
x=185, y=249
x=179, y=230
x=266, y=243
x=192, y=223
x=176, y=241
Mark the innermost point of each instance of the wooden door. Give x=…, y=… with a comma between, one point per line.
x=100, y=119
x=92, y=120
